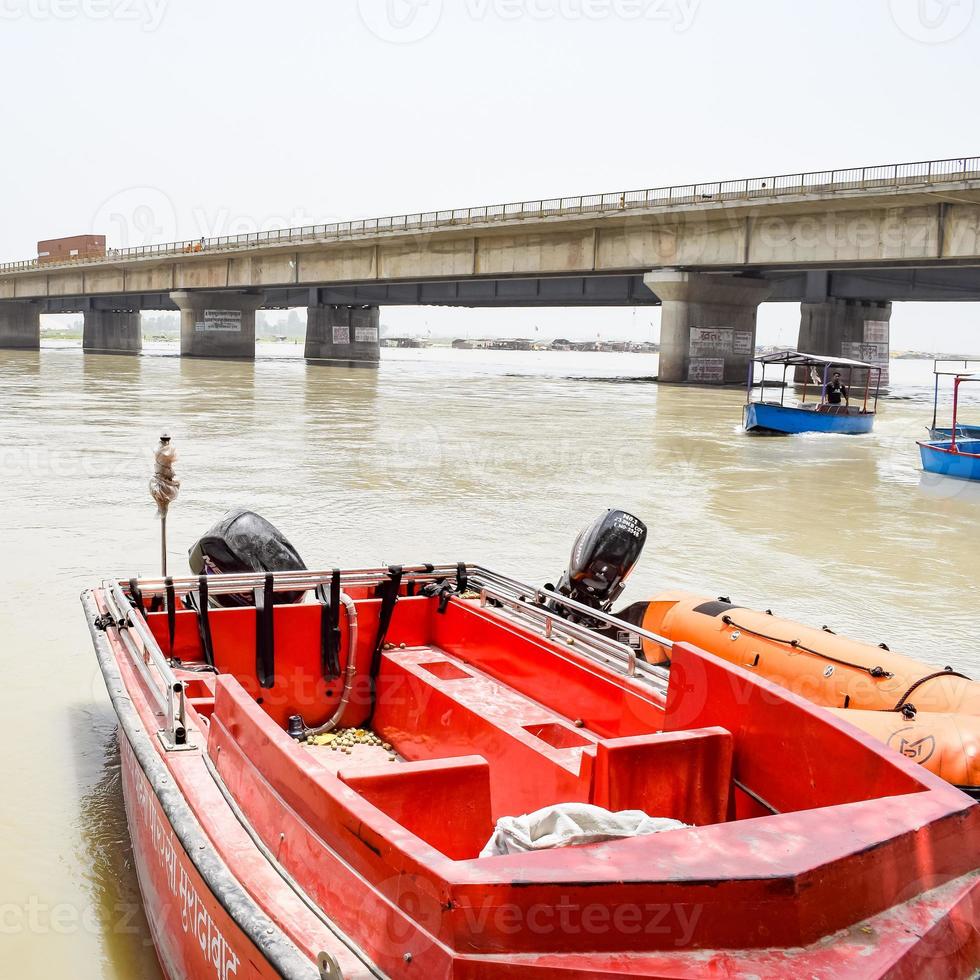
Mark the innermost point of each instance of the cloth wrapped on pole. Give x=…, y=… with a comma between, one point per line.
x=164, y=485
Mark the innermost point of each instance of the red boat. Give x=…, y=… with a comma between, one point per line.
x=435, y=702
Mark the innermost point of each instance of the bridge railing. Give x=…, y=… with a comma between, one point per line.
x=893, y=175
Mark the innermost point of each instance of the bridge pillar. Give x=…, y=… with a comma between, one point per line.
x=112, y=332
x=20, y=325
x=856, y=329
x=217, y=324
x=707, y=332
x=343, y=333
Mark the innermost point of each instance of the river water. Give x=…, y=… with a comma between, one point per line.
x=438, y=455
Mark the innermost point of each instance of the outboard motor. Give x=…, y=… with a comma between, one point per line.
x=602, y=558
x=242, y=541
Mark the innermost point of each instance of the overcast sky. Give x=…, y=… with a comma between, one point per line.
x=164, y=119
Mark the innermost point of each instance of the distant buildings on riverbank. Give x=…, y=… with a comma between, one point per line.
x=523, y=343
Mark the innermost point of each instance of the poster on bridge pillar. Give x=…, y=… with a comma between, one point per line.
x=874, y=350
x=709, y=348
x=710, y=340
x=341, y=334
x=705, y=341
x=219, y=321
x=709, y=369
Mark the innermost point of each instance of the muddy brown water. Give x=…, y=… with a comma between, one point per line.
x=491, y=457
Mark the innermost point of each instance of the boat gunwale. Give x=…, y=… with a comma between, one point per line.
x=270, y=940
x=939, y=446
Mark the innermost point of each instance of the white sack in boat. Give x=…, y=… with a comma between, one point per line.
x=565, y=824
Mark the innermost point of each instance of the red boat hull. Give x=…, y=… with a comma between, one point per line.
x=193, y=934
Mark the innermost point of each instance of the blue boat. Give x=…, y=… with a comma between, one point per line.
x=953, y=456
x=762, y=415
x=950, y=368
x=789, y=420
x=959, y=459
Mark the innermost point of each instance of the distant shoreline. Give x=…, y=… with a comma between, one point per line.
x=605, y=346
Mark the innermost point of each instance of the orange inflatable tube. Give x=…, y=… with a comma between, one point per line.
x=930, y=714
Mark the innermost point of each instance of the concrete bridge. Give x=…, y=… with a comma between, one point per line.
x=844, y=244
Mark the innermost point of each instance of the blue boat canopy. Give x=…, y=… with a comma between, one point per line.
x=795, y=357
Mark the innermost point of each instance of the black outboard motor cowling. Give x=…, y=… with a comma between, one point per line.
x=243, y=541
x=602, y=558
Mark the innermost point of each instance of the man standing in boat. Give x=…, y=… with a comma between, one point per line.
x=835, y=391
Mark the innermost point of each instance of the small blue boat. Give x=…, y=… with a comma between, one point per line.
x=960, y=459
x=787, y=419
x=768, y=416
x=949, y=368
x=957, y=455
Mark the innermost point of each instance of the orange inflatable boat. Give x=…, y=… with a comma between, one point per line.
x=929, y=714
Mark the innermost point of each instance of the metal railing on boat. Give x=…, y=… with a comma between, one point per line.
x=533, y=608
x=531, y=603
x=164, y=687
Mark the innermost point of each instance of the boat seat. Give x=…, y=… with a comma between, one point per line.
x=445, y=802
x=434, y=707
x=686, y=775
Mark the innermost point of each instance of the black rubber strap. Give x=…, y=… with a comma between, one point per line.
x=335, y=623
x=388, y=600
x=265, y=635
x=171, y=610
x=330, y=627
x=204, y=620
x=326, y=658
x=136, y=595
x=461, y=579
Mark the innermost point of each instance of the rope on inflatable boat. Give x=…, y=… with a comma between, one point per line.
x=797, y=645
x=902, y=702
x=945, y=672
